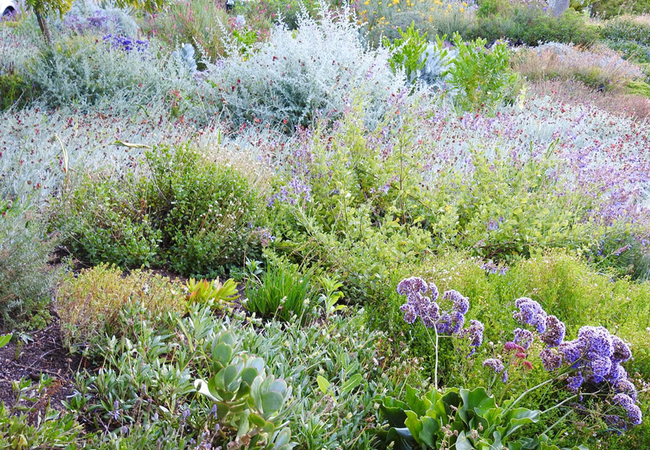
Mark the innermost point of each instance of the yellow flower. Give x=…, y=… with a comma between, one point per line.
x=430, y=18
x=462, y=9
x=464, y=4
x=367, y=2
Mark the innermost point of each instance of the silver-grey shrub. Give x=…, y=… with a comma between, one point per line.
x=106, y=72
x=299, y=75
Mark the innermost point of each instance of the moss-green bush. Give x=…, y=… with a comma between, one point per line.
x=183, y=211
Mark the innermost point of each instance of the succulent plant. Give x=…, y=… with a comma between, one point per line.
x=245, y=397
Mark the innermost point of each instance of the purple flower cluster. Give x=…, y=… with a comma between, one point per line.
x=418, y=304
x=530, y=313
x=494, y=365
x=494, y=268
x=523, y=337
x=125, y=44
x=554, y=333
x=627, y=403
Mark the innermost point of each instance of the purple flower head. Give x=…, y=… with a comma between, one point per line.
x=596, y=340
x=530, y=313
x=550, y=359
x=504, y=377
x=523, y=337
x=450, y=323
x=555, y=331
x=410, y=316
x=616, y=374
x=600, y=368
x=431, y=315
x=413, y=285
x=633, y=411
x=628, y=388
x=461, y=304
x=475, y=333
x=621, y=351
x=574, y=383
x=494, y=365
x=571, y=351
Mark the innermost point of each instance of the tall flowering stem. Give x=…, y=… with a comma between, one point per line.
x=426, y=308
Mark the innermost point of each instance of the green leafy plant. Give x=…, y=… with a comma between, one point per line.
x=245, y=398
x=482, y=78
x=407, y=51
x=457, y=418
x=214, y=293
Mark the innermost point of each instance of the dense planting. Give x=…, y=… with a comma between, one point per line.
x=274, y=224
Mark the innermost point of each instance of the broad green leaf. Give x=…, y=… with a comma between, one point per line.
x=323, y=384
x=272, y=402
x=350, y=384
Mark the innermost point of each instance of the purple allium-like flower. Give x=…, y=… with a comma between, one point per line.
x=493, y=364
x=596, y=340
x=412, y=285
x=614, y=421
x=600, y=368
x=621, y=351
x=555, y=331
x=431, y=315
x=616, y=374
x=450, y=323
x=531, y=313
x=410, y=316
x=523, y=337
x=475, y=333
x=628, y=388
x=461, y=303
x=550, y=359
x=571, y=351
x=632, y=410
x=574, y=383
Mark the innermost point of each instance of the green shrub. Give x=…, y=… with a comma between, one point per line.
x=183, y=211
x=14, y=91
x=483, y=78
x=90, y=304
x=531, y=26
x=208, y=213
x=25, y=278
x=103, y=221
x=613, y=8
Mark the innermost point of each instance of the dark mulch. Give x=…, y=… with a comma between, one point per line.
x=44, y=354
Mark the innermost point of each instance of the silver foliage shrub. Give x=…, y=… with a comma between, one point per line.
x=299, y=75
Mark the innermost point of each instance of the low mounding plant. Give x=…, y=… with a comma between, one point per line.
x=90, y=304
x=108, y=71
x=601, y=69
x=285, y=83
